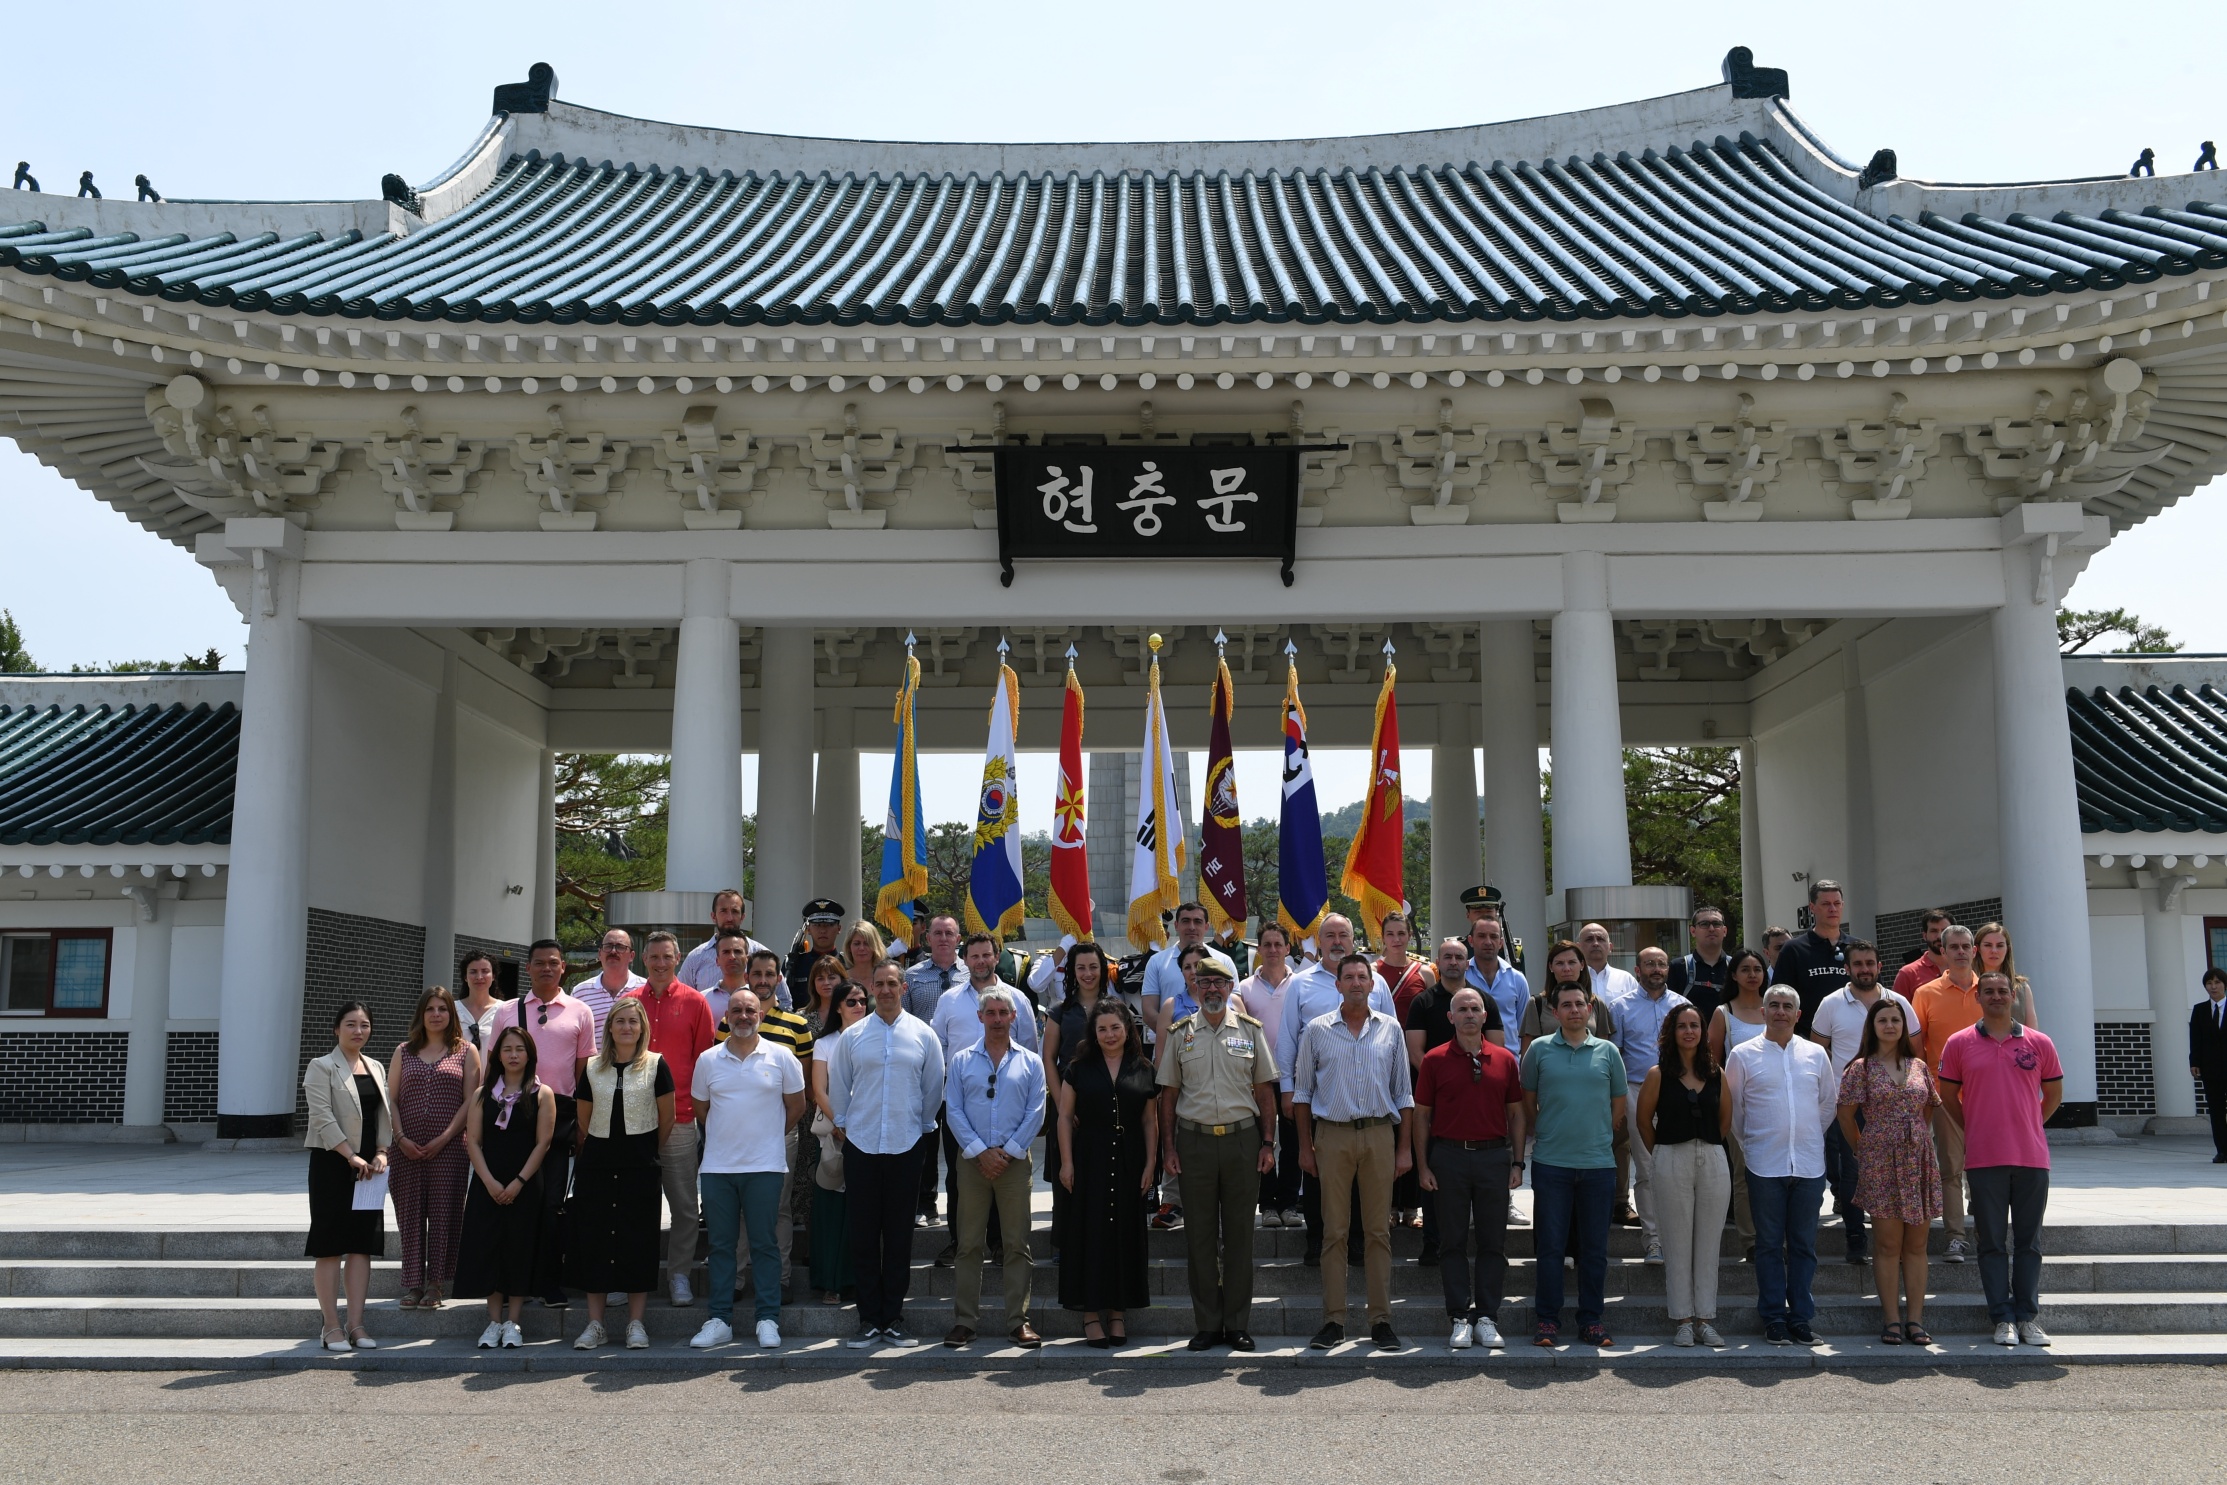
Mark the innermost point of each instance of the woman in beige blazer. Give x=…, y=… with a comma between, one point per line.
x=350, y=1127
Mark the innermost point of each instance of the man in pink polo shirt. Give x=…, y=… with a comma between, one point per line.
x=2001, y=1082
x=680, y=1032
x=563, y=1030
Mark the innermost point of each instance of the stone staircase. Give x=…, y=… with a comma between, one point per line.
x=239, y=1284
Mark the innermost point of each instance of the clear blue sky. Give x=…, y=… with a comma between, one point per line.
x=318, y=101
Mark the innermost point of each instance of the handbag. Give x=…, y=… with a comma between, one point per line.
x=829, y=1175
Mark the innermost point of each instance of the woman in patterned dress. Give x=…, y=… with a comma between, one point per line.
x=435, y=1070
x=1898, y=1176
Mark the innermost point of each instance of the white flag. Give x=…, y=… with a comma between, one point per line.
x=1157, y=864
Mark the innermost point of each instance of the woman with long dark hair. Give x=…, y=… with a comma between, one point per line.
x=1898, y=1174
x=350, y=1122
x=1565, y=964
x=1682, y=1117
x=1084, y=979
x=831, y=1229
x=433, y=1075
x=1109, y=1143
x=506, y=1135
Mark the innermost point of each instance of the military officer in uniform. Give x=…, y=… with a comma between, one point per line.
x=1218, y=1114
x=823, y=919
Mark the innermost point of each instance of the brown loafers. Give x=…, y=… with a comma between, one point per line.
x=959, y=1335
x=1024, y=1335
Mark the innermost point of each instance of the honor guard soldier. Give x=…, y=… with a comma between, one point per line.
x=823, y=919
x=1218, y=1112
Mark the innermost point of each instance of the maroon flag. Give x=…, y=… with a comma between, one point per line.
x=1221, y=828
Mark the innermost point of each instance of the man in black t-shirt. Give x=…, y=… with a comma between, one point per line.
x=1699, y=976
x=1428, y=1024
x=1813, y=962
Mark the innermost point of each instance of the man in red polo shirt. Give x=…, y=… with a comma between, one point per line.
x=1469, y=1139
x=680, y=1032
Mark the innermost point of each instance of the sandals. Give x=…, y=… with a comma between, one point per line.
x=432, y=1299
x=1890, y=1334
x=413, y=1299
x=1916, y=1335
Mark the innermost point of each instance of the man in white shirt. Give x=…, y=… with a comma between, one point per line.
x=749, y=1093
x=599, y=990
x=1837, y=1025
x=1784, y=1096
x=884, y=1085
x=1610, y=984
x=701, y=967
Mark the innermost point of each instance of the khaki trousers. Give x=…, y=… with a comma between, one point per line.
x=972, y=1198
x=1948, y=1144
x=1220, y=1184
x=1344, y=1155
x=676, y=1170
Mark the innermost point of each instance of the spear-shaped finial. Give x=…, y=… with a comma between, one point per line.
x=1003, y=646
x=1389, y=652
x=1070, y=657
x=1221, y=642
x=1291, y=650
x=910, y=641
x=1154, y=642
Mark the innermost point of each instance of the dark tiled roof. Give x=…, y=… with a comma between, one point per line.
x=2153, y=759
x=133, y=775
x=1728, y=226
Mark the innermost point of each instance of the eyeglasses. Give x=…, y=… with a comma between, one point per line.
x=615, y=949
x=1476, y=1067
x=544, y=1016
x=990, y=1090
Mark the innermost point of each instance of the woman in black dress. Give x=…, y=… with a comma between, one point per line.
x=350, y=1124
x=506, y=1135
x=1109, y=1142
x=611, y=1238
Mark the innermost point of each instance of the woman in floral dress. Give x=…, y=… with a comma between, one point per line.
x=1887, y=1104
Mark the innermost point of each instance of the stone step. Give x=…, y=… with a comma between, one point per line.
x=246, y=1244
x=291, y=1278
x=1415, y=1317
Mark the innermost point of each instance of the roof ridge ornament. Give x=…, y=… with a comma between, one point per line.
x=394, y=188
x=1751, y=81
x=530, y=96
x=1881, y=170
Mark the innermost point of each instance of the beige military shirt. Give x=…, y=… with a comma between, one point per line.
x=1214, y=1069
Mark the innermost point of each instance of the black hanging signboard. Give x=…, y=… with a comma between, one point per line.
x=1096, y=502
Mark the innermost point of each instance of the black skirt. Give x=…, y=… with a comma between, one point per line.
x=336, y=1228
x=611, y=1221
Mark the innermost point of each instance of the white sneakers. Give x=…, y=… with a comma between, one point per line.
x=637, y=1336
x=1464, y=1336
x=1706, y=1333
x=492, y=1336
x=1293, y=1217
x=1271, y=1218
x=1654, y=1250
x=1488, y=1335
x=683, y=1296
x=2006, y=1334
x=595, y=1335
x=716, y=1332
x=2032, y=1334
x=769, y=1334
x=1685, y=1336
x=1959, y=1250
x=512, y=1338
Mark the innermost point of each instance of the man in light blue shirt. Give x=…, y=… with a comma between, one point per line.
x=1313, y=992
x=993, y=1104
x=1499, y=981
x=1163, y=972
x=1639, y=1030
x=957, y=1027
x=926, y=984
x=884, y=1082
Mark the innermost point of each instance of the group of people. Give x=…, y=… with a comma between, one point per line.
x=533, y=1145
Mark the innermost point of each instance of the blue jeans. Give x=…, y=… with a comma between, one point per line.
x=734, y=1202
x=1785, y=1210
x=1567, y=1202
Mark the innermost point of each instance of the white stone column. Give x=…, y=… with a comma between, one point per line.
x=266, y=909
x=784, y=859
x=1456, y=863
x=703, y=842
x=1753, y=912
x=836, y=844
x=2045, y=888
x=545, y=845
x=1592, y=840
x=2165, y=950
x=147, y=1054
x=439, y=873
x=1861, y=878
x=1515, y=829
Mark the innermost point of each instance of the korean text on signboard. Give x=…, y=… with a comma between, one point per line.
x=1096, y=502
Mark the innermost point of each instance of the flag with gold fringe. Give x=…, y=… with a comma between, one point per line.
x=1372, y=875
x=1071, y=907
x=994, y=883
x=1157, y=863
x=1302, y=885
x=1221, y=827
x=904, y=879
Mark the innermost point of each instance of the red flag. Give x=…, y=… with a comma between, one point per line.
x=1221, y=828
x=1070, y=895
x=1372, y=863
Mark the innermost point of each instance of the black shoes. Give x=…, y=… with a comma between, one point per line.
x=1238, y=1340
x=1802, y=1334
x=949, y=1257
x=1428, y=1258
x=1777, y=1333
x=1331, y=1334
x=1205, y=1340
x=1313, y=1258
x=1381, y=1336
